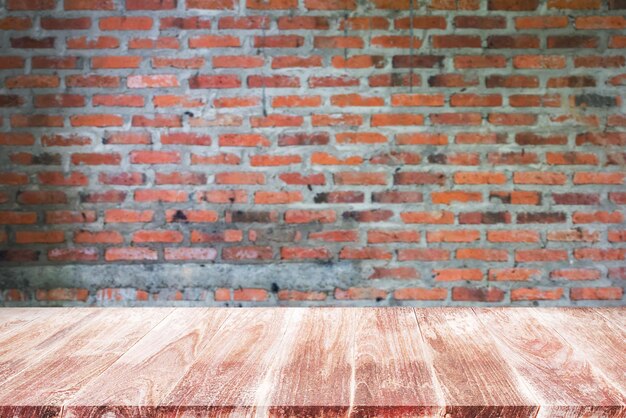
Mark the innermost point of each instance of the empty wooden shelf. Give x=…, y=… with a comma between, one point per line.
x=192, y=362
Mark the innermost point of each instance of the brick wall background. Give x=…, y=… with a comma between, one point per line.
x=312, y=151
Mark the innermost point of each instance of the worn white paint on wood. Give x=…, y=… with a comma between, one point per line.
x=383, y=362
x=147, y=372
x=474, y=377
x=83, y=355
x=561, y=375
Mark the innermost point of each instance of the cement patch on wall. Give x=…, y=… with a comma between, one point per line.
x=198, y=285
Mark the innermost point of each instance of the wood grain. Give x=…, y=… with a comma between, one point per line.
x=312, y=362
x=558, y=374
x=229, y=375
x=12, y=320
x=23, y=345
x=600, y=340
x=475, y=379
x=393, y=377
x=319, y=365
x=149, y=370
x=615, y=316
x=85, y=353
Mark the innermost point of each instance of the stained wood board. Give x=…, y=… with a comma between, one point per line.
x=559, y=374
x=85, y=352
x=137, y=382
x=474, y=378
x=332, y=362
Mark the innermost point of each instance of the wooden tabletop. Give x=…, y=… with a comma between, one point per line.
x=192, y=362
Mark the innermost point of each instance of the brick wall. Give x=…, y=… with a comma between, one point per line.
x=381, y=151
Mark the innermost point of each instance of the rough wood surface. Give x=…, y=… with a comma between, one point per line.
x=331, y=362
x=558, y=373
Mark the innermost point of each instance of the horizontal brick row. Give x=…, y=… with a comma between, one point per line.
x=225, y=296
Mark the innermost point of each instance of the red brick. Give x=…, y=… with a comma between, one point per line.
x=447, y=275
x=517, y=5
x=214, y=41
x=152, y=81
x=389, y=236
x=592, y=293
x=70, y=217
x=479, y=61
x=118, y=100
x=334, y=236
x=536, y=294
x=96, y=159
x=250, y=294
x=434, y=217
x=39, y=237
x=513, y=236
x=360, y=293
x=115, y=23
x=73, y=254
x=271, y=4
x=416, y=293
x=13, y=179
x=296, y=295
x=574, y=4
x=455, y=4
x=150, y=4
x=62, y=294
x=148, y=236
x=479, y=178
x=60, y=63
x=453, y=236
x=304, y=253
x=17, y=218
x=155, y=157
x=240, y=178
x=211, y=4
x=122, y=179
x=488, y=294
x=32, y=81
x=30, y=4
x=575, y=274
x=421, y=22
x=98, y=237
x=247, y=253
x=157, y=121
x=130, y=254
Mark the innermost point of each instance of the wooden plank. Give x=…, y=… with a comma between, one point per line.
x=13, y=320
x=21, y=347
x=318, y=367
x=275, y=362
x=617, y=316
x=474, y=378
x=13, y=314
x=229, y=375
x=392, y=375
x=558, y=374
x=145, y=374
x=78, y=357
x=602, y=342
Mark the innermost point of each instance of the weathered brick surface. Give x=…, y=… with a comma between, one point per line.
x=450, y=152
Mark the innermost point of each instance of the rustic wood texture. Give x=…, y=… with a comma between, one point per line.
x=474, y=379
x=330, y=362
x=140, y=378
x=391, y=369
x=83, y=353
x=558, y=373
